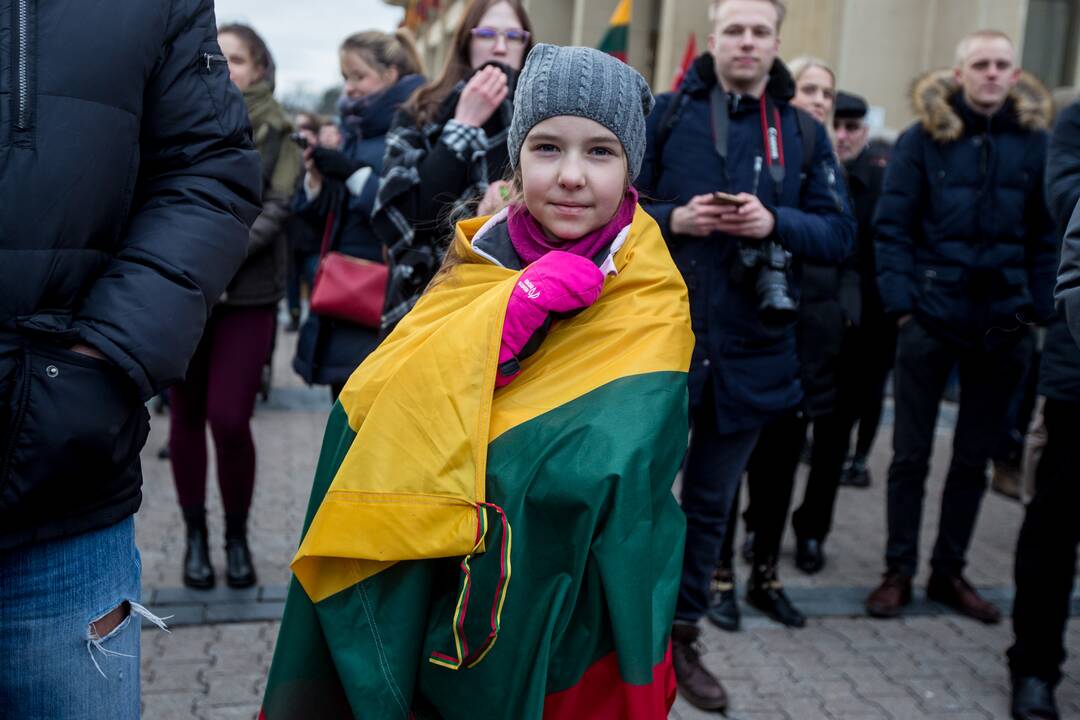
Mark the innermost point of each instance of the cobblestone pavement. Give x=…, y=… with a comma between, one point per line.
x=842, y=666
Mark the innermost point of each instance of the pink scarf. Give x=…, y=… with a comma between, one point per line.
x=531, y=243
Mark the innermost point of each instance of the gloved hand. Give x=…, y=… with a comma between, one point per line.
x=558, y=283
x=334, y=164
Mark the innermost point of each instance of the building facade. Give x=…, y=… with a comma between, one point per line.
x=877, y=47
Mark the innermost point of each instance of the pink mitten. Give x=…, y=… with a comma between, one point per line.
x=560, y=282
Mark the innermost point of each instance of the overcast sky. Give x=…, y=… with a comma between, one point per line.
x=304, y=35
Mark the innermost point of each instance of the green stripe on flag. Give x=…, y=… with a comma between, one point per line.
x=596, y=554
x=616, y=41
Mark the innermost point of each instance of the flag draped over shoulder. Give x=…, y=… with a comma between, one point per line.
x=616, y=40
x=556, y=491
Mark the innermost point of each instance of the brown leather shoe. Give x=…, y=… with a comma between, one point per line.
x=700, y=688
x=957, y=593
x=893, y=593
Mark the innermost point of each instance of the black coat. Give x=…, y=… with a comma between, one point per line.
x=865, y=179
x=754, y=370
x=1059, y=373
x=128, y=184
x=329, y=350
x=965, y=241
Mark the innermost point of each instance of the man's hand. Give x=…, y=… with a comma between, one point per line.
x=698, y=218
x=903, y=320
x=88, y=351
x=495, y=199
x=749, y=220
x=481, y=96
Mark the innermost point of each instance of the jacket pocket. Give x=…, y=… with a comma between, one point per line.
x=75, y=435
x=943, y=296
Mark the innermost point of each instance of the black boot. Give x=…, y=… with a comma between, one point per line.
x=855, y=473
x=766, y=593
x=1033, y=699
x=809, y=556
x=198, y=572
x=723, y=609
x=240, y=572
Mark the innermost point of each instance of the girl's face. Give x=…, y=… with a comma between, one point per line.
x=573, y=176
x=361, y=79
x=498, y=36
x=814, y=93
x=242, y=69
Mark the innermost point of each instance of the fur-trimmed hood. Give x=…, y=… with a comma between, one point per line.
x=932, y=98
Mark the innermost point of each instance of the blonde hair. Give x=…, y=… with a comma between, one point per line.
x=780, y=5
x=963, y=48
x=804, y=62
x=383, y=51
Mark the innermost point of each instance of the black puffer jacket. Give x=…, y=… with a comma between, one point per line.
x=128, y=182
x=1059, y=373
x=964, y=238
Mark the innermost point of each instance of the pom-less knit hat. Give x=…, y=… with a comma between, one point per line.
x=586, y=83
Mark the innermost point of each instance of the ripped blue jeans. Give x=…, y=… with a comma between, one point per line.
x=53, y=664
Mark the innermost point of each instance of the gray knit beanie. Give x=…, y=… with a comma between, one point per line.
x=586, y=83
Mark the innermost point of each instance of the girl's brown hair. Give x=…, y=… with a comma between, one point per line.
x=425, y=102
x=256, y=46
x=383, y=51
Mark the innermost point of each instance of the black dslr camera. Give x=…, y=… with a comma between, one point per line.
x=770, y=262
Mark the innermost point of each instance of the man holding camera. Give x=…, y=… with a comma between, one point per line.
x=743, y=182
x=966, y=258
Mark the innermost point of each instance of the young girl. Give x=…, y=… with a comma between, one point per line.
x=381, y=70
x=500, y=469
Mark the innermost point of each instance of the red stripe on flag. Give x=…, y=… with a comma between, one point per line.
x=602, y=694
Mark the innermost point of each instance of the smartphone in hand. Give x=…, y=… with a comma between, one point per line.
x=723, y=198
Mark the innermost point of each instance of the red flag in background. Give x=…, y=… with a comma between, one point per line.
x=687, y=60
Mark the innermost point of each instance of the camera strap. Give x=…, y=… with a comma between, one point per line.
x=720, y=121
x=773, y=137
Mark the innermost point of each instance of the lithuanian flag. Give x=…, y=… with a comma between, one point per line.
x=617, y=38
x=472, y=553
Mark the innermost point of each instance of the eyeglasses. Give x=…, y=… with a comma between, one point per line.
x=490, y=34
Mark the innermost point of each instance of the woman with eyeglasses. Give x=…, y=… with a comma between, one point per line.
x=446, y=154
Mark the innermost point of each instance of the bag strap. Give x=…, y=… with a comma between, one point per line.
x=663, y=130
x=808, y=133
x=328, y=233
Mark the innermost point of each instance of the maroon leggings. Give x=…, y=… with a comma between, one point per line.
x=220, y=387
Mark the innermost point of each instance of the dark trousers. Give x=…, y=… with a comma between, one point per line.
x=301, y=269
x=988, y=378
x=865, y=365
x=220, y=387
x=1046, y=550
x=714, y=466
x=813, y=518
x=770, y=479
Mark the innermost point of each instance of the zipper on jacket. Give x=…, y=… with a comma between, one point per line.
x=210, y=58
x=21, y=38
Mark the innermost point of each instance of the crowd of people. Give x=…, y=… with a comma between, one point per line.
x=536, y=295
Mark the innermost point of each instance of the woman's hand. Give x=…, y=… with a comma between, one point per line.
x=482, y=96
x=495, y=199
x=314, y=180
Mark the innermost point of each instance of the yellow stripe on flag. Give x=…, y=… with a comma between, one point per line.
x=622, y=13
